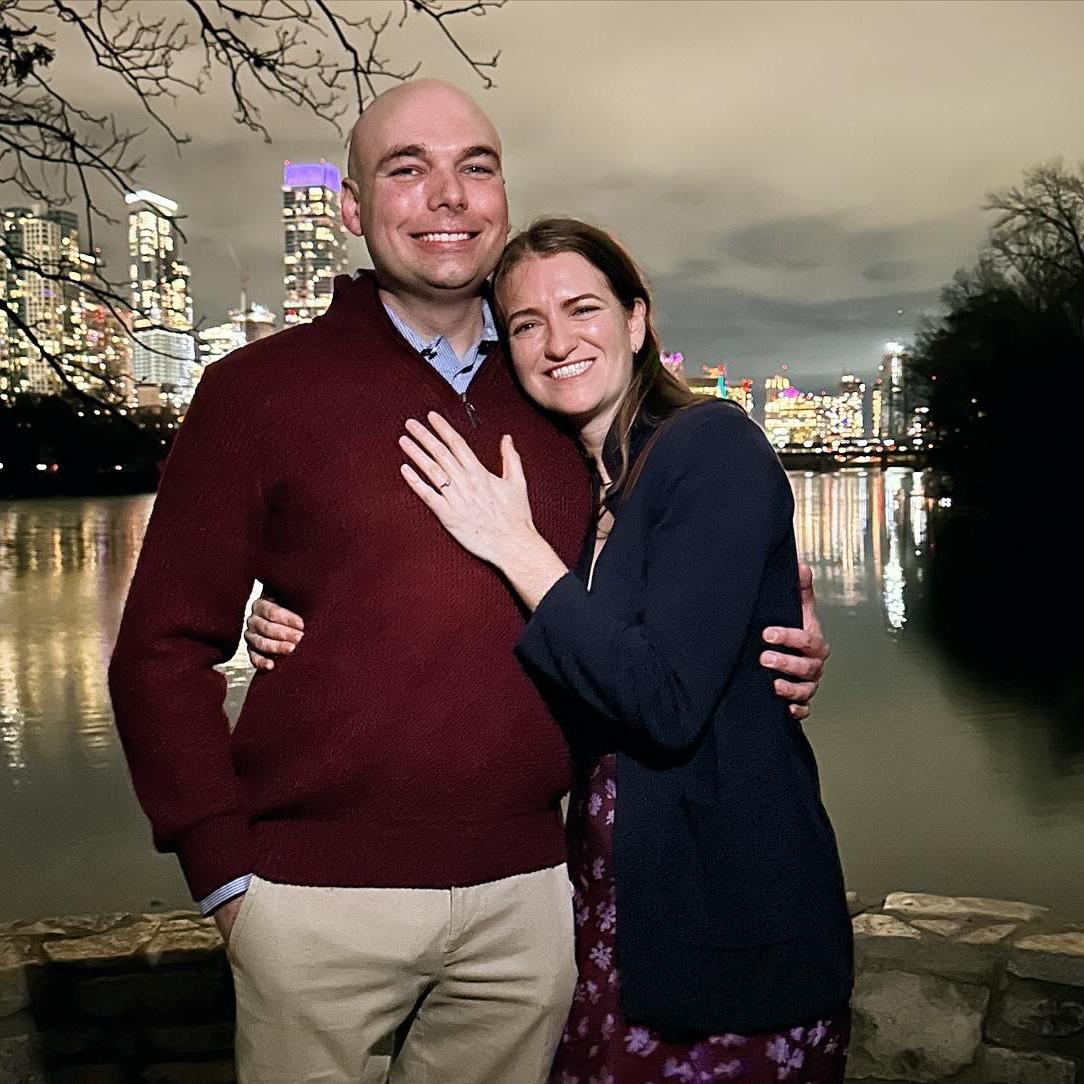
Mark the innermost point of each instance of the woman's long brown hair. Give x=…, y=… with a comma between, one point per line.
x=654, y=393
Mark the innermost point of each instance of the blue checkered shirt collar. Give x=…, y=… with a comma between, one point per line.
x=458, y=371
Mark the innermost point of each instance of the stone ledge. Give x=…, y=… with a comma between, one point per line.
x=914, y=1027
x=1000, y=1065
x=961, y=990
x=924, y=905
x=1053, y=957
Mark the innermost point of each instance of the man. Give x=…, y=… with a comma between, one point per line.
x=380, y=838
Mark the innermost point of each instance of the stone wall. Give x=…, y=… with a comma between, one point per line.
x=971, y=991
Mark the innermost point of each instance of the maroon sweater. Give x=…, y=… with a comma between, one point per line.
x=400, y=744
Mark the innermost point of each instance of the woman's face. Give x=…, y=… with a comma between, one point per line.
x=572, y=340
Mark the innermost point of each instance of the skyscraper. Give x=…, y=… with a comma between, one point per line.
x=791, y=416
x=164, y=351
x=49, y=282
x=314, y=239
x=33, y=289
x=890, y=382
x=847, y=417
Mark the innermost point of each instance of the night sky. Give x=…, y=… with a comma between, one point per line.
x=798, y=179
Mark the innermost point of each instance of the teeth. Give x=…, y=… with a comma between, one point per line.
x=445, y=236
x=574, y=369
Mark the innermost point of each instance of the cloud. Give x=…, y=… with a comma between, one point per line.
x=891, y=270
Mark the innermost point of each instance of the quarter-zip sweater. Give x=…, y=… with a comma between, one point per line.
x=400, y=745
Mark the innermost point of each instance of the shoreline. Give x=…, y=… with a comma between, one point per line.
x=962, y=989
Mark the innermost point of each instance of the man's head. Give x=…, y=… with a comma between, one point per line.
x=424, y=188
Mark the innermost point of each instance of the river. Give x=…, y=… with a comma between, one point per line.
x=936, y=780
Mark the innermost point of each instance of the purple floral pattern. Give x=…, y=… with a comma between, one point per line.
x=600, y=1047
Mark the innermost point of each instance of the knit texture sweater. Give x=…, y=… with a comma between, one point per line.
x=401, y=744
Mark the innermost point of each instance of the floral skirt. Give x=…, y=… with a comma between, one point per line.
x=600, y=1047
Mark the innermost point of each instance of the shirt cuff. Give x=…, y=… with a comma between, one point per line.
x=224, y=894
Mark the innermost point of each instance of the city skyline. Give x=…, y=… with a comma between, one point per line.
x=798, y=180
x=168, y=350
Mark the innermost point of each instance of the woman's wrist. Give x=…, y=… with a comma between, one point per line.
x=532, y=567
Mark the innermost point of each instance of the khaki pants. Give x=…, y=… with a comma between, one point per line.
x=474, y=982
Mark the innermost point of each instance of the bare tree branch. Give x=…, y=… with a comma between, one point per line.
x=328, y=58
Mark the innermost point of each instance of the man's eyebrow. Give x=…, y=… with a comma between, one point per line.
x=409, y=150
x=482, y=150
x=416, y=150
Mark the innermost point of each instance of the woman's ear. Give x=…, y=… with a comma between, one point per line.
x=638, y=324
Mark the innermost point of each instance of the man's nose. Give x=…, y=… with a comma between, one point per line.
x=447, y=189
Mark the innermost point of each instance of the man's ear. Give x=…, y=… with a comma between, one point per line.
x=350, y=203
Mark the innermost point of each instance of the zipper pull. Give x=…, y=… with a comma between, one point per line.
x=472, y=414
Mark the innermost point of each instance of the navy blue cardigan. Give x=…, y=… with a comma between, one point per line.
x=730, y=901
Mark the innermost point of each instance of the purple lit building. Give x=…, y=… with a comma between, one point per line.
x=315, y=241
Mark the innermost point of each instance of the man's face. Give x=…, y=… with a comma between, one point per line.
x=427, y=193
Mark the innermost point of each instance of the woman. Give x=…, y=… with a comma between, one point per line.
x=713, y=940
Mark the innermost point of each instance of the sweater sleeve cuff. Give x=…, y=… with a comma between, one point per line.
x=215, y=852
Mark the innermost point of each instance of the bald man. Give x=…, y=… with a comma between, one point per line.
x=380, y=838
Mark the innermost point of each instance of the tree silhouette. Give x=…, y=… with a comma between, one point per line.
x=1011, y=334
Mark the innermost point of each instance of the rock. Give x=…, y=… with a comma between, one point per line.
x=989, y=935
x=71, y=925
x=19, y=1062
x=169, y=916
x=14, y=995
x=1053, y=957
x=62, y=1045
x=88, y=1074
x=946, y=927
x=187, y=1072
x=198, y=1039
x=1001, y=1066
x=886, y=940
x=174, y=994
x=923, y=905
x=177, y=940
x=867, y=925
x=856, y=905
x=1036, y=1015
x=115, y=946
x=914, y=1027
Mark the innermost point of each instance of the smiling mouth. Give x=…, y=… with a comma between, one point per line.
x=575, y=368
x=445, y=237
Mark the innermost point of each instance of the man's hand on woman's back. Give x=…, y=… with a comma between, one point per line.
x=273, y=630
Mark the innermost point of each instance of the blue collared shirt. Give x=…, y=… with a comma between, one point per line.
x=458, y=371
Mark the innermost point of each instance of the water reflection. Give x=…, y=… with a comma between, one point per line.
x=65, y=566
x=864, y=533
x=899, y=716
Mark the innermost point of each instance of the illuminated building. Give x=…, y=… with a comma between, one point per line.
x=877, y=408
x=714, y=383
x=315, y=245
x=164, y=352
x=257, y=321
x=59, y=304
x=742, y=394
x=33, y=289
x=218, y=341
x=109, y=351
x=892, y=412
x=790, y=415
x=245, y=325
x=844, y=413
